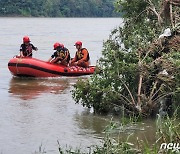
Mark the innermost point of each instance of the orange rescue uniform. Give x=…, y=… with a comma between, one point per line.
x=82, y=58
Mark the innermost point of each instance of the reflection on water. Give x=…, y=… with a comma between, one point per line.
x=30, y=88
x=35, y=111
x=43, y=112
x=96, y=124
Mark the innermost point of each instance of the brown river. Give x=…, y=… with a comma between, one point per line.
x=35, y=112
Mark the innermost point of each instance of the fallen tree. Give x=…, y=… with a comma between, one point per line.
x=140, y=69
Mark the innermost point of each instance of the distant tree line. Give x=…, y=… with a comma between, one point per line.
x=58, y=8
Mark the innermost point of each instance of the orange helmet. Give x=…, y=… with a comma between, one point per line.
x=78, y=43
x=26, y=39
x=57, y=44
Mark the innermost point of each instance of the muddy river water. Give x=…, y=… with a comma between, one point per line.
x=35, y=112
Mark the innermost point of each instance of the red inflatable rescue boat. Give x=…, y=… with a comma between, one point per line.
x=32, y=67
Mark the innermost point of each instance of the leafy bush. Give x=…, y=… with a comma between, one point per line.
x=139, y=72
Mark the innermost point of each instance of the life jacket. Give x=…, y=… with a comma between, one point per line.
x=61, y=54
x=27, y=50
x=80, y=54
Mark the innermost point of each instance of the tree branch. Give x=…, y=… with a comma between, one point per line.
x=153, y=9
x=171, y=15
x=132, y=98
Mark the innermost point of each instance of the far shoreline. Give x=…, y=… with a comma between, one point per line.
x=18, y=16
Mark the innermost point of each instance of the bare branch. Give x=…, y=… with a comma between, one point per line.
x=125, y=98
x=175, y=2
x=163, y=95
x=171, y=15
x=153, y=9
x=132, y=98
x=139, y=89
x=153, y=89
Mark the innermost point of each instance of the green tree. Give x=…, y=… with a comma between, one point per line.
x=139, y=72
x=58, y=8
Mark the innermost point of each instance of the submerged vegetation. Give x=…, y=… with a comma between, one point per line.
x=167, y=131
x=139, y=69
x=58, y=8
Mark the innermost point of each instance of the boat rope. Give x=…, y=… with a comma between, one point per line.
x=19, y=59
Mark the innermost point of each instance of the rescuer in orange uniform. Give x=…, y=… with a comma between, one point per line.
x=81, y=57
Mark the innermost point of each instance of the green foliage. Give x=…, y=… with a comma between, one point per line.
x=58, y=8
x=138, y=70
x=168, y=131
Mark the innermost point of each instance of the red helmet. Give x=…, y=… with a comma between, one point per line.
x=78, y=43
x=61, y=45
x=56, y=45
x=26, y=39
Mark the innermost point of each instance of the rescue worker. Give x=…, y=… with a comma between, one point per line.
x=27, y=48
x=61, y=55
x=81, y=57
